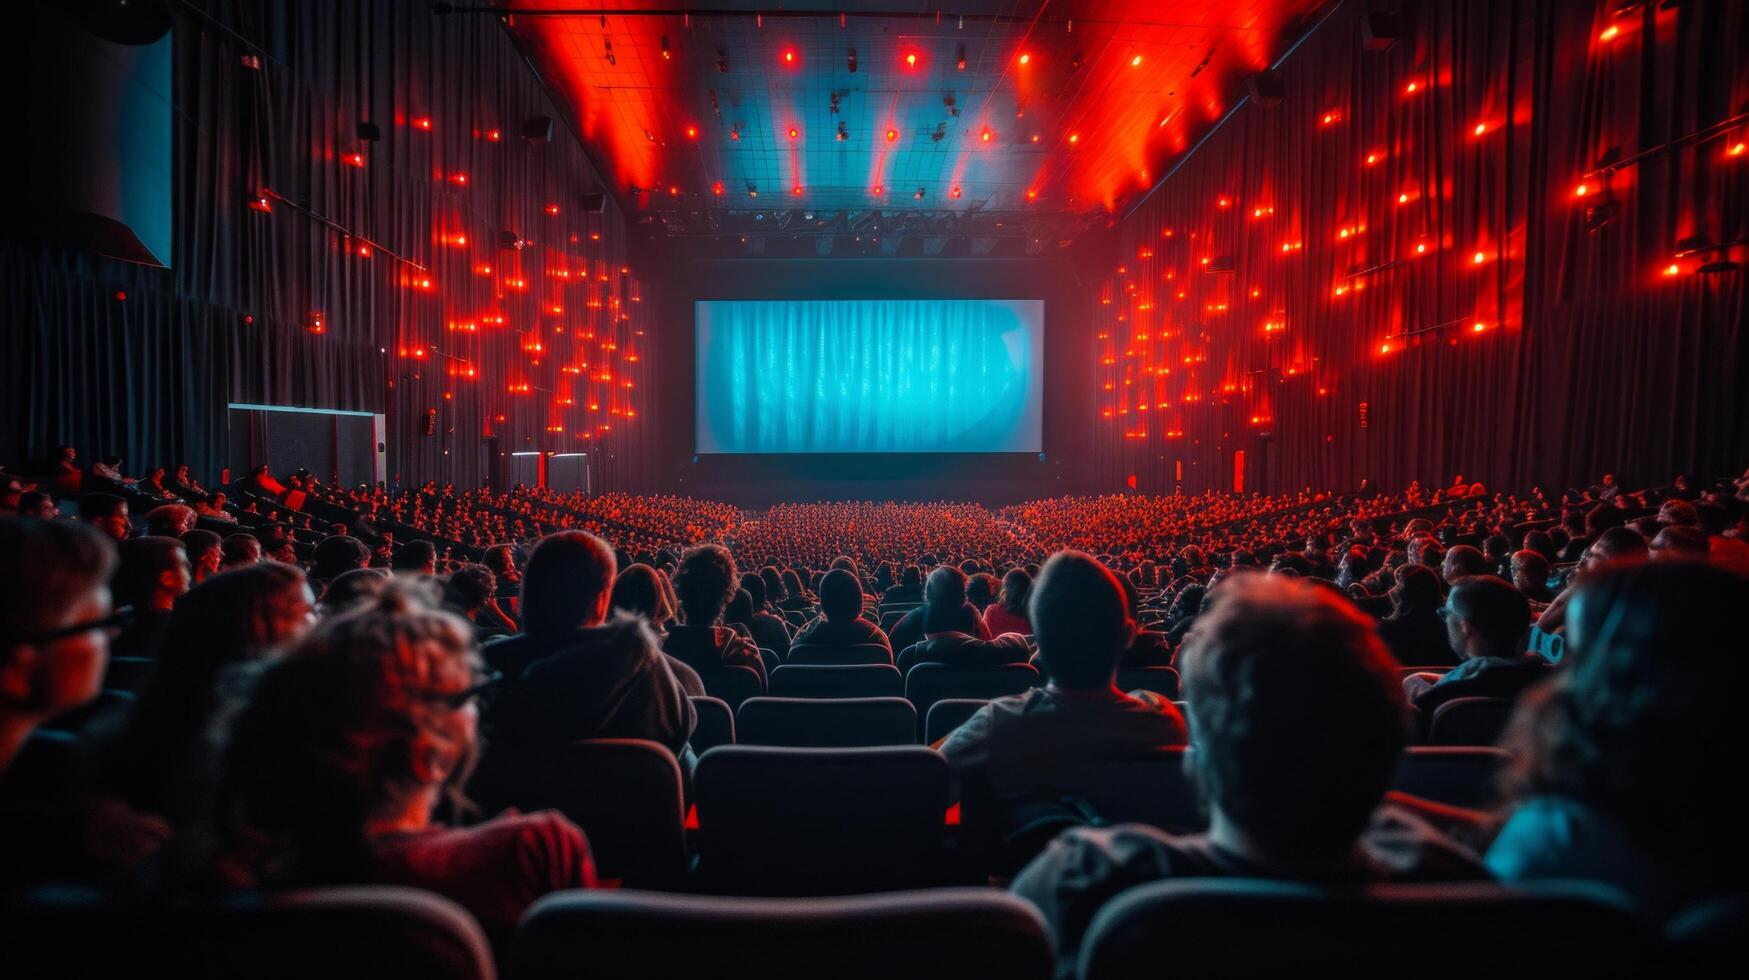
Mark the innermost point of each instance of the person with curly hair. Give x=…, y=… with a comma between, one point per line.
x=703, y=585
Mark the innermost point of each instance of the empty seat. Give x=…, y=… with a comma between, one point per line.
x=928, y=683
x=777, y=821
x=333, y=933
x=1161, y=680
x=948, y=714
x=624, y=792
x=1236, y=927
x=127, y=673
x=1469, y=721
x=1464, y=776
x=849, y=654
x=818, y=681
x=732, y=683
x=936, y=934
x=716, y=724
x=827, y=723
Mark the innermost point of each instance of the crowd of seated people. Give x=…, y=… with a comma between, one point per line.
x=297, y=704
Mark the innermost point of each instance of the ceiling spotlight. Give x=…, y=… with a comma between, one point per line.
x=986, y=135
x=1025, y=58
x=752, y=191
x=789, y=56
x=735, y=131
x=959, y=63
x=954, y=191
x=879, y=190
x=1136, y=62
x=919, y=194
x=1074, y=137
x=796, y=190
x=892, y=134
x=794, y=132
x=692, y=132
x=911, y=60
x=666, y=54
x=851, y=60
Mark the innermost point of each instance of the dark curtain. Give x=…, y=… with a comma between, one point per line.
x=457, y=340
x=1281, y=295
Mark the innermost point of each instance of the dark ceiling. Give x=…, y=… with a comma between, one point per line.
x=988, y=129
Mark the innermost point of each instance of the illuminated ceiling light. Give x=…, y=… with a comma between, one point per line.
x=1736, y=149
x=552, y=209
x=692, y=132
x=911, y=60
x=494, y=135
x=422, y=123
x=459, y=179
x=1372, y=158
x=1025, y=58
x=1479, y=258
x=735, y=132
x=1402, y=199
x=752, y=191
x=1074, y=137
x=959, y=63
x=1411, y=88
x=354, y=159
x=879, y=190
x=673, y=190
x=1582, y=190
x=261, y=203
x=986, y=135
x=1673, y=269
x=1610, y=33
x=1478, y=327
x=1035, y=137
x=1330, y=118
x=954, y=191
x=1031, y=194
x=794, y=132
x=789, y=56
x=1421, y=248
x=1385, y=348
x=1223, y=202
x=892, y=134
x=919, y=194
x=1136, y=62
x=717, y=188
x=1481, y=128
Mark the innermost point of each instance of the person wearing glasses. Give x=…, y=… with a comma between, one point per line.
x=1486, y=622
x=55, y=623
x=349, y=746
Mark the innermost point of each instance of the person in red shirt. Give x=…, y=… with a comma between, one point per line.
x=347, y=747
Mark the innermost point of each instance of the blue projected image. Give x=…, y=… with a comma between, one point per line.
x=869, y=376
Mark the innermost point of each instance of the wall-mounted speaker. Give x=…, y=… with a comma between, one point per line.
x=538, y=129
x=1265, y=88
x=1380, y=31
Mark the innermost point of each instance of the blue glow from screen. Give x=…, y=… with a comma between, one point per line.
x=869, y=376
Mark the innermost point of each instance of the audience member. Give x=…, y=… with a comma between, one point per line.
x=953, y=632
x=1008, y=615
x=204, y=550
x=108, y=513
x=153, y=573
x=1297, y=720
x=415, y=558
x=1414, y=631
x=944, y=610
x=239, y=550
x=1486, y=622
x=704, y=583
x=840, y=622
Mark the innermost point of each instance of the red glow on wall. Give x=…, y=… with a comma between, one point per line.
x=353, y=159
x=553, y=209
x=459, y=179
x=422, y=123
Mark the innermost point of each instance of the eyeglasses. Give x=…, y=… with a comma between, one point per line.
x=111, y=624
x=483, y=682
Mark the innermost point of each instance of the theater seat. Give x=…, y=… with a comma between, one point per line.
x=127, y=673
x=818, y=681
x=778, y=821
x=936, y=934
x=732, y=683
x=1463, y=776
x=849, y=654
x=823, y=723
x=716, y=724
x=928, y=683
x=1711, y=938
x=1469, y=721
x=1161, y=680
x=624, y=792
x=890, y=617
x=1235, y=927
x=363, y=932
x=948, y=714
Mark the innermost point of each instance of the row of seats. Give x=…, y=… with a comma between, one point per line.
x=1194, y=928
x=802, y=821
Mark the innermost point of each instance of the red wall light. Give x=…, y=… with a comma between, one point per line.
x=353, y=159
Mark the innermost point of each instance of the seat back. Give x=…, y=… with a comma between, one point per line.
x=890, y=617
x=779, y=821
x=716, y=724
x=849, y=654
x=937, y=934
x=333, y=933
x=127, y=673
x=1237, y=927
x=1161, y=680
x=948, y=714
x=732, y=683
x=825, y=723
x=1711, y=938
x=928, y=683
x=818, y=681
x=1469, y=721
x=1466, y=776
x=624, y=792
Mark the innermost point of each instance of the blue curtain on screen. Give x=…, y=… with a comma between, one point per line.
x=868, y=376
